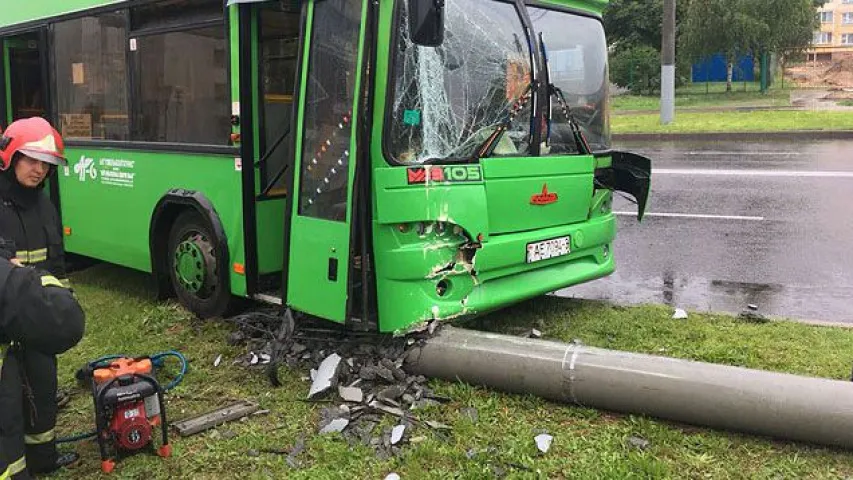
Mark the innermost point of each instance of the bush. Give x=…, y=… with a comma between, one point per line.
x=637, y=69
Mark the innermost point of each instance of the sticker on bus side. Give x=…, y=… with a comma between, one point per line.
x=444, y=174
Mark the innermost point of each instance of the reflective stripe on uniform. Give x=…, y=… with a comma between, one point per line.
x=39, y=438
x=31, y=256
x=51, y=281
x=3, y=348
x=15, y=468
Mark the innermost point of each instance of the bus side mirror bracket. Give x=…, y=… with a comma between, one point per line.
x=629, y=173
x=426, y=22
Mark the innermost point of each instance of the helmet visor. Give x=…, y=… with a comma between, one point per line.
x=45, y=157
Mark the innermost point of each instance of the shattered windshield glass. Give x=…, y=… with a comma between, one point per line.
x=448, y=100
x=577, y=60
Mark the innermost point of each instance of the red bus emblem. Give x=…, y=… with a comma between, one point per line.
x=543, y=198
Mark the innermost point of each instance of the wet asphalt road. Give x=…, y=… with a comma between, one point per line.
x=769, y=224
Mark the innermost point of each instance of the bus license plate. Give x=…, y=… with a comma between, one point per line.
x=556, y=247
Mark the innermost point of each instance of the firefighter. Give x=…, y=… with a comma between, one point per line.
x=37, y=313
x=30, y=149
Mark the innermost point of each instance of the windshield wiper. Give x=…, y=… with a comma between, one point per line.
x=555, y=91
x=485, y=149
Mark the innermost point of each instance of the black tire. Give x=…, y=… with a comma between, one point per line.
x=209, y=293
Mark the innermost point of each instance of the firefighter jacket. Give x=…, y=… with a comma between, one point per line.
x=30, y=220
x=37, y=313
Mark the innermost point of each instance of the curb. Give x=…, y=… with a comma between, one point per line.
x=750, y=136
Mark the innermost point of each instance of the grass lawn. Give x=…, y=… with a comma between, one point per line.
x=756, y=121
x=846, y=103
x=696, y=96
x=123, y=318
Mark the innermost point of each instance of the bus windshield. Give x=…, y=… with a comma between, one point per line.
x=448, y=100
x=577, y=64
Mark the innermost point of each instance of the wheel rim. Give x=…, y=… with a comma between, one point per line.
x=195, y=265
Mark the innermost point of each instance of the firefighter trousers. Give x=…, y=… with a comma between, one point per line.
x=39, y=410
x=13, y=462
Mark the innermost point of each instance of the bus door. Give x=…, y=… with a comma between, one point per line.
x=277, y=34
x=319, y=237
x=25, y=81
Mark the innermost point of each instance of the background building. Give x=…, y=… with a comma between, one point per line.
x=835, y=37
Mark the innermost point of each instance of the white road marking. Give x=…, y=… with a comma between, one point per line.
x=738, y=154
x=694, y=215
x=751, y=173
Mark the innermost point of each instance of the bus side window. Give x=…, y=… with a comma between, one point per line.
x=181, y=76
x=91, y=77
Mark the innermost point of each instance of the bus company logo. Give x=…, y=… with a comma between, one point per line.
x=85, y=168
x=543, y=198
x=438, y=174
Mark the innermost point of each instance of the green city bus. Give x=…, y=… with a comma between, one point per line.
x=375, y=163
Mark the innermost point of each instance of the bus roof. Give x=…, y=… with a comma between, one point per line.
x=594, y=6
x=33, y=10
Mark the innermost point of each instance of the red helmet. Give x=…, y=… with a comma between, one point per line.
x=33, y=137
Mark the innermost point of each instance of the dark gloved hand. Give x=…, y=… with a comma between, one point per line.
x=7, y=248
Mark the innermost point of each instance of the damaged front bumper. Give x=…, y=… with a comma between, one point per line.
x=492, y=276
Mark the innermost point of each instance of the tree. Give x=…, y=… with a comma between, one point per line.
x=632, y=23
x=721, y=26
x=634, y=32
x=759, y=27
x=636, y=68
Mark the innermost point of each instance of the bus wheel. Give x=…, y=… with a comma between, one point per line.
x=194, y=270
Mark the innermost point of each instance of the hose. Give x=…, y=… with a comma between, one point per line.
x=158, y=360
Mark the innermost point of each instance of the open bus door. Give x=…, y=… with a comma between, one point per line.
x=320, y=227
x=26, y=88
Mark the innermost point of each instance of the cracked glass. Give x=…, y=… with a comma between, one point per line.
x=448, y=100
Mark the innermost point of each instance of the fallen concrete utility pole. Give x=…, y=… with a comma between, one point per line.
x=783, y=406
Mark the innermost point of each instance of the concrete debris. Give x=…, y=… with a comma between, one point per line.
x=325, y=375
x=534, y=333
x=254, y=360
x=394, y=392
x=351, y=394
x=424, y=403
x=471, y=414
x=433, y=326
x=385, y=374
x=638, y=442
x=376, y=405
x=298, y=448
x=437, y=425
x=397, y=434
x=363, y=372
x=335, y=426
x=680, y=314
x=543, y=442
